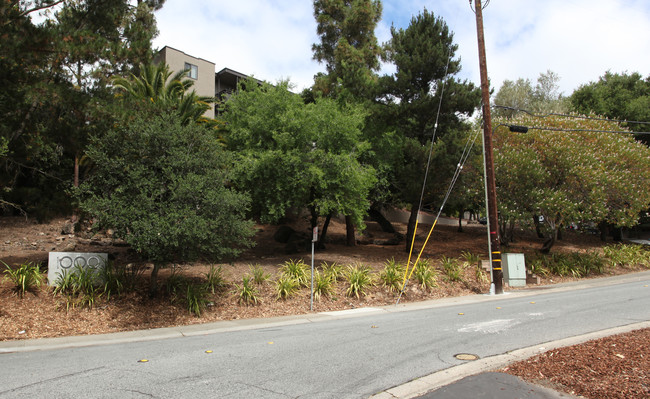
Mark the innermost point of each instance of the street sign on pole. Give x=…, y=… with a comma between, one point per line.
x=314, y=240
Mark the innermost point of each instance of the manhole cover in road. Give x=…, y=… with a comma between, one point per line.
x=466, y=356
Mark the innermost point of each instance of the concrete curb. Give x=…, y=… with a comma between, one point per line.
x=431, y=382
x=249, y=324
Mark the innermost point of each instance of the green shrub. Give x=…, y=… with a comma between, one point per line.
x=627, y=255
x=359, y=279
x=481, y=274
x=259, y=275
x=195, y=297
x=392, y=275
x=64, y=283
x=286, y=286
x=25, y=277
x=81, y=286
x=121, y=278
x=246, y=292
x=560, y=265
x=215, y=280
x=452, y=268
x=176, y=284
x=426, y=275
x=470, y=258
x=296, y=270
x=567, y=264
x=333, y=270
x=160, y=184
x=182, y=289
x=323, y=284
x=117, y=279
x=112, y=279
x=538, y=266
x=589, y=263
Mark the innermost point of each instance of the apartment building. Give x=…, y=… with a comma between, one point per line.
x=207, y=82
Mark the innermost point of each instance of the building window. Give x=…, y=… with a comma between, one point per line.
x=193, y=70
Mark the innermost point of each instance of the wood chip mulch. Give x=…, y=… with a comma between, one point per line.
x=615, y=367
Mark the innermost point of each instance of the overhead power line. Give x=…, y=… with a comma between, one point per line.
x=523, y=129
x=575, y=116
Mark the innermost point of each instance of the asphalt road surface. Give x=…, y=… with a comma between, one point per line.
x=351, y=354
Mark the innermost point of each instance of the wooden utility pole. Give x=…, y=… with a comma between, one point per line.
x=497, y=272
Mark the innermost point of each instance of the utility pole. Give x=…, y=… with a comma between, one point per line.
x=493, y=225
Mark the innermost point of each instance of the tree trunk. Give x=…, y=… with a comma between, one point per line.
x=552, y=238
x=538, y=229
x=351, y=240
x=550, y=241
x=512, y=230
x=376, y=215
x=153, y=281
x=603, y=227
x=75, y=211
x=504, y=232
x=461, y=213
x=76, y=170
x=321, y=238
x=410, y=229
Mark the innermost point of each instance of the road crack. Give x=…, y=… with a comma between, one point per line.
x=52, y=379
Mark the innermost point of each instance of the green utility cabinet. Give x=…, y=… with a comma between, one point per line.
x=514, y=270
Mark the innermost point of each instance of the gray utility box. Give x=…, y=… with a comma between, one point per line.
x=68, y=261
x=514, y=269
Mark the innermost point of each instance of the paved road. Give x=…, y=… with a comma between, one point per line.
x=338, y=355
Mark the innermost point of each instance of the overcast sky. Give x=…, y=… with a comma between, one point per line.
x=271, y=39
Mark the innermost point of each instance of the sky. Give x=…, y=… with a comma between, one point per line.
x=271, y=40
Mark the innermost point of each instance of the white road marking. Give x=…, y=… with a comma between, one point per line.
x=490, y=327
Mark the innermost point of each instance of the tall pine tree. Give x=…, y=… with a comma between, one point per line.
x=349, y=49
x=424, y=57
x=54, y=78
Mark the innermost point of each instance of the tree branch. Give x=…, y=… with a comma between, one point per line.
x=40, y=7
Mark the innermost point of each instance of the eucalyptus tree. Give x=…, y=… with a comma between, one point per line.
x=520, y=95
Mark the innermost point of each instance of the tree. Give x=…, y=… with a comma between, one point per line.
x=544, y=98
x=32, y=115
x=351, y=53
x=162, y=186
x=348, y=47
x=570, y=176
x=156, y=84
x=99, y=39
x=54, y=95
x=95, y=40
x=292, y=155
x=424, y=55
x=617, y=96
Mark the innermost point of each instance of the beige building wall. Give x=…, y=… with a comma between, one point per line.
x=204, y=81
